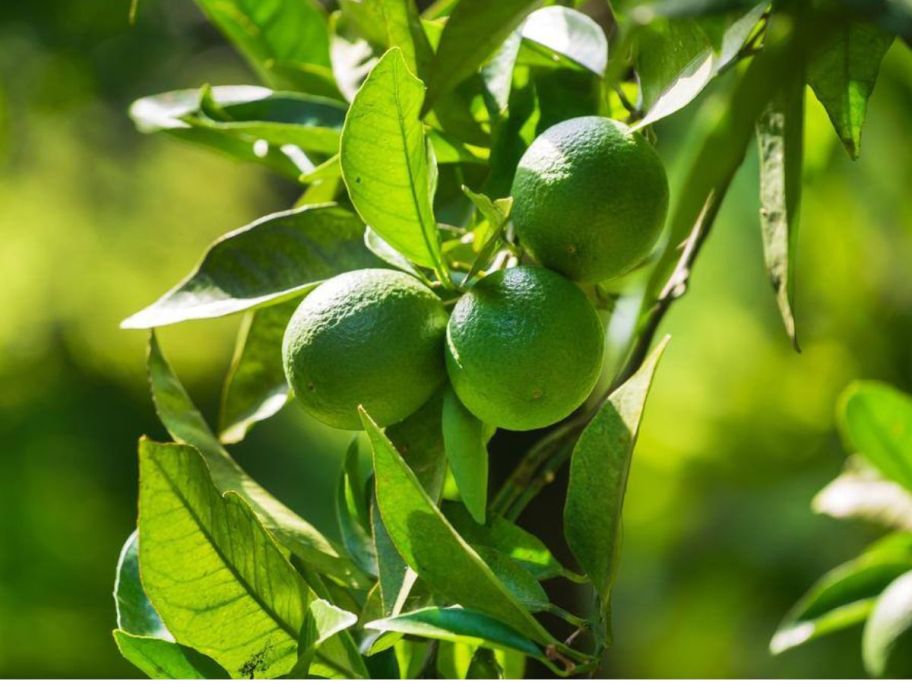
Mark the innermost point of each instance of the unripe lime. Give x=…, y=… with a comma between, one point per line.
x=589, y=198
x=524, y=348
x=372, y=337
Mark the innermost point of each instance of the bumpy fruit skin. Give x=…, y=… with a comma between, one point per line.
x=372, y=337
x=524, y=348
x=589, y=198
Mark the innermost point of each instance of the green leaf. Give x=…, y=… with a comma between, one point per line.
x=353, y=512
x=275, y=258
x=322, y=621
x=160, y=659
x=213, y=573
x=135, y=613
x=391, y=569
x=185, y=424
x=780, y=135
x=474, y=30
x=458, y=625
x=676, y=60
x=419, y=439
x=561, y=36
x=286, y=41
x=392, y=23
x=842, y=73
x=484, y=666
x=862, y=492
x=876, y=420
x=385, y=161
x=384, y=251
x=521, y=583
x=508, y=538
x=845, y=595
x=430, y=545
x=255, y=387
x=466, y=439
x=886, y=644
x=598, y=477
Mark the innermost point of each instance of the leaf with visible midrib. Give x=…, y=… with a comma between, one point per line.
x=384, y=155
x=430, y=545
x=217, y=579
x=185, y=424
x=255, y=387
x=598, y=477
x=465, y=438
x=275, y=258
x=780, y=136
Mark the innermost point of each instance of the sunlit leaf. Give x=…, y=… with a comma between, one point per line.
x=322, y=621
x=392, y=23
x=842, y=73
x=185, y=424
x=135, y=613
x=887, y=641
x=255, y=387
x=562, y=36
x=876, y=420
x=780, y=135
x=430, y=545
x=385, y=161
x=862, y=492
x=277, y=257
x=844, y=596
x=161, y=659
x=465, y=438
x=598, y=477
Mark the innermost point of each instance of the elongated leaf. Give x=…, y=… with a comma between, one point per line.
x=459, y=625
x=474, y=30
x=353, y=512
x=391, y=569
x=430, y=545
x=598, y=477
x=562, y=36
x=845, y=595
x=135, y=613
x=215, y=576
x=161, y=659
x=521, y=583
x=277, y=257
x=419, y=439
x=393, y=23
x=876, y=420
x=508, y=538
x=255, y=387
x=842, y=74
x=862, y=492
x=484, y=666
x=780, y=135
x=185, y=424
x=383, y=250
x=887, y=641
x=677, y=61
x=322, y=622
x=286, y=41
x=466, y=441
x=385, y=161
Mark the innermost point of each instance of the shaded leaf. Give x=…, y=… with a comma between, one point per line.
x=842, y=73
x=474, y=30
x=419, y=440
x=393, y=23
x=277, y=257
x=876, y=420
x=676, y=61
x=215, y=576
x=466, y=439
x=185, y=424
x=508, y=538
x=862, y=492
x=484, y=666
x=160, y=659
x=430, y=545
x=135, y=613
x=599, y=468
x=385, y=161
x=521, y=583
x=561, y=36
x=458, y=625
x=255, y=388
x=286, y=41
x=353, y=512
x=886, y=644
x=391, y=569
x=322, y=621
x=384, y=251
x=780, y=135
x=845, y=595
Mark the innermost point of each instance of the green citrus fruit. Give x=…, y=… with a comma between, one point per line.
x=372, y=337
x=524, y=348
x=589, y=198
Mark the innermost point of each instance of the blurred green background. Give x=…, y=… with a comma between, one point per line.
x=96, y=221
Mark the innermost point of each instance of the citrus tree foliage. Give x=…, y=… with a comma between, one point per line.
x=403, y=124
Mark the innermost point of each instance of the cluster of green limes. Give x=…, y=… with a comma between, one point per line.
x=523, y=347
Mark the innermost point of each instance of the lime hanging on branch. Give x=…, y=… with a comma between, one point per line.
x=590, y=197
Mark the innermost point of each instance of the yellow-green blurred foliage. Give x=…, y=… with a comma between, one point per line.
x=97, y=220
